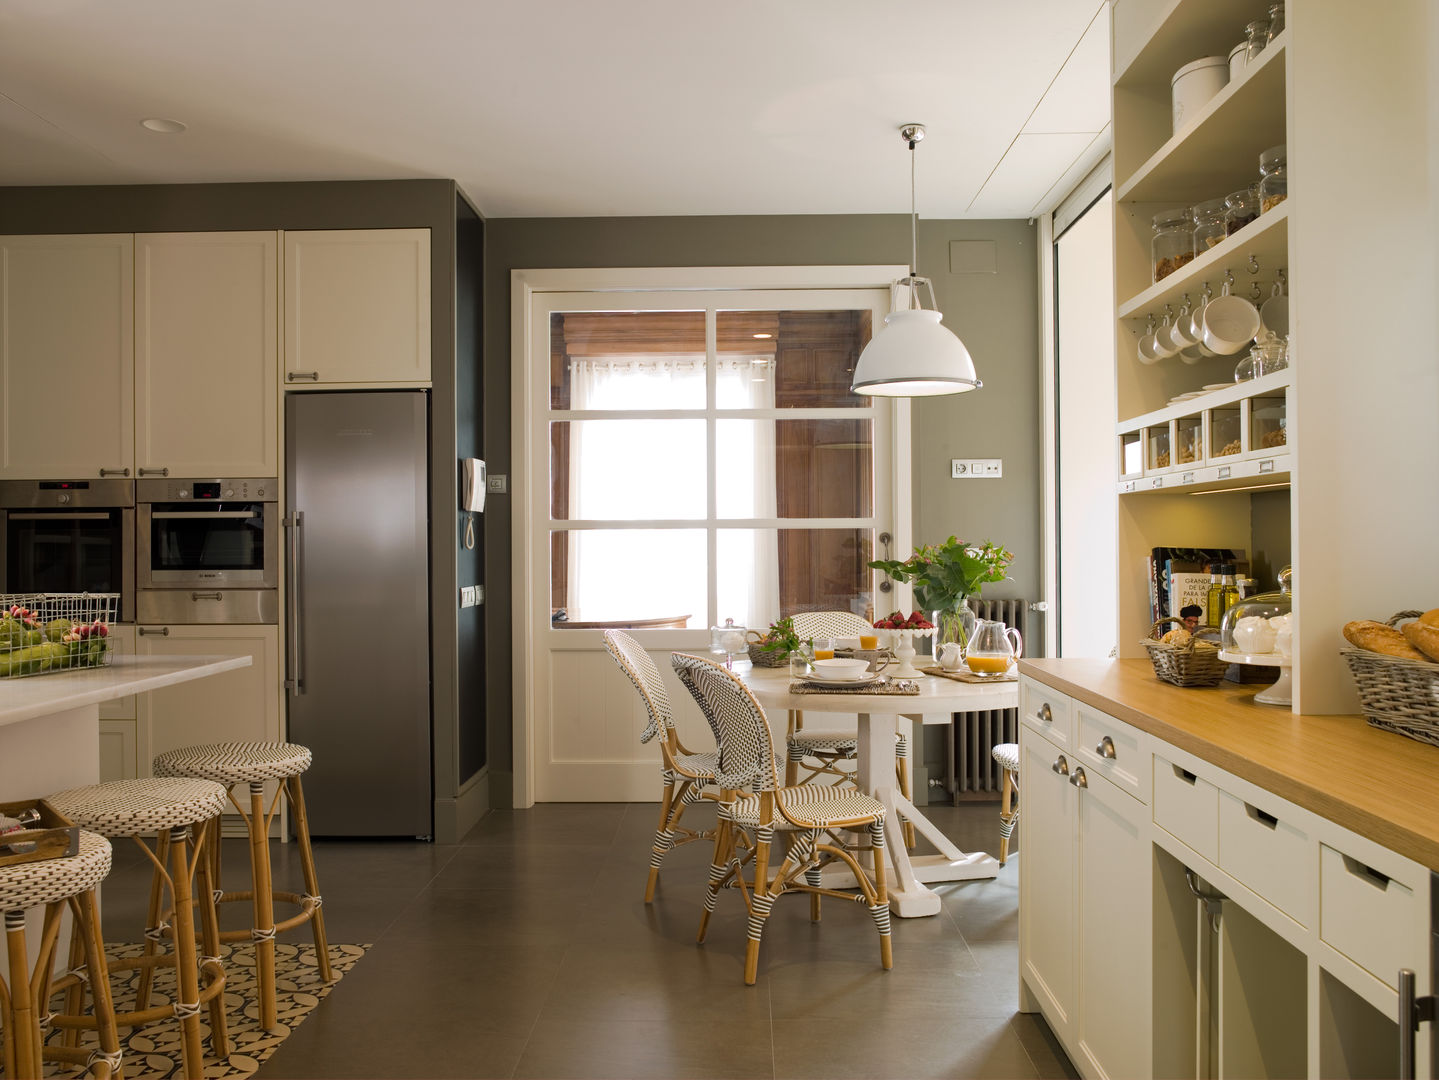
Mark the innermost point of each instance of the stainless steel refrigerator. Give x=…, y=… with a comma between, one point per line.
x=358, y=608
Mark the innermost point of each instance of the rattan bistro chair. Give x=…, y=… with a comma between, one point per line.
x=751, y=798
x=685, y=773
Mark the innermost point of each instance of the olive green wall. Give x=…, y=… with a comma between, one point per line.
x=995, y=314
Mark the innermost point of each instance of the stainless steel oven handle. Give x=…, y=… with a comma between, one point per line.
x=207, y=596
x=65, y=515
x=295, y=682
x=164, y=631
x=209, y=515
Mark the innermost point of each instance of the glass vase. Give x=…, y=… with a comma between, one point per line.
x=955, y=624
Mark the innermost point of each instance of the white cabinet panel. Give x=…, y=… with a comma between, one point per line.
x=1049, y=856
x=1187, y=807
x=122, y=643
x=1366, y=914
x=207, y=353
x=1045, y=711
x=1270, y=854
x=118, y=750
x=357, y=306
x=66, y=356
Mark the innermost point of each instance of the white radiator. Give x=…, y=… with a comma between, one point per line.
x=973, y=735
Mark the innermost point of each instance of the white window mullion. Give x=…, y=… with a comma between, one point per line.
x=711, y=465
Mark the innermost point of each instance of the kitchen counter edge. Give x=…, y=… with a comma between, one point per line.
x=41, y=695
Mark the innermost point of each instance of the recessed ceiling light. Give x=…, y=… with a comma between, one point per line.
x=762, y=336
x=162, y=126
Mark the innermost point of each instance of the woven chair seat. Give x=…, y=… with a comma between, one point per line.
x=811, y=806
x=127, y=807
x=702, y=765
x=1007, y=754
x=235, y=762
x=32, y=884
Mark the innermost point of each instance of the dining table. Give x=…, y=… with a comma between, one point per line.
x=880, y=717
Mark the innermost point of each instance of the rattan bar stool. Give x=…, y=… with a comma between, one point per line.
x=1007, y=755
x=177, y=811
x=252, y=763
x=55, y=884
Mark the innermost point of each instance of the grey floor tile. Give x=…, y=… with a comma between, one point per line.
x=1043, y=1048
x=649, y=1048
x=973, y=1047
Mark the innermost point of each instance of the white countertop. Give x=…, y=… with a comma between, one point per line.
x=41, y=695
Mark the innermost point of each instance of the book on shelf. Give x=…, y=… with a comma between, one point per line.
x=1179, y=576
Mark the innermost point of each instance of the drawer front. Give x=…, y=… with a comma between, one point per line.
x=1367, y=916
x=1046, y=711
x=1187, y=807
x=1269, y=854
x=1113, y=749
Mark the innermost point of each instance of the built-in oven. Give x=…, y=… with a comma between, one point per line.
x=208, y=551
x=69, y=536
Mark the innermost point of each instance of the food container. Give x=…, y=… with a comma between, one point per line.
x=1158, y=455
x=1131, y=454
x=50, y=633
x=1256, y=37
x=1189, y=439
x=1276, y=23
x=1238, y=60
x=1268, y=423
x=1173, y=242
x=1193, y=85
x=1274, y=185
x=1224, y=431
x=1209, y=226
x=1240, y=208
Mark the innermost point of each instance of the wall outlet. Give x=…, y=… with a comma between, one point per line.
x=472, y=595
x=497, y=484
x=976, y=468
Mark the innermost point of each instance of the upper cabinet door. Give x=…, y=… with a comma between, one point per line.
x=66, y=356
x=357, y=307
x=207, y=354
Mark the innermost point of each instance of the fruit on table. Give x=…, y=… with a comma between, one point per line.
x=84, y=645
x=898, y=620
x=56, y=629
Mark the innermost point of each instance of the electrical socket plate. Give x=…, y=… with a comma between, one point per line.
x=976, y=468
x=497, y=484
x=472, y=595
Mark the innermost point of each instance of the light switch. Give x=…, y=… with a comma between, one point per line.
x=976, y=468
x=497, y=484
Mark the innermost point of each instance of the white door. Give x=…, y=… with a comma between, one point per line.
x=1047, y=902
x=697, y=457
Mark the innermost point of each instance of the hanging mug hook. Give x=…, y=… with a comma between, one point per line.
x=1254, y=292
x=1228, y=277
x=1208, y=293
x=1253, y=263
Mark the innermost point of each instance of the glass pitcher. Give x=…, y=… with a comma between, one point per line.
x=993, y=648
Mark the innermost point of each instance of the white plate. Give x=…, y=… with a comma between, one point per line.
x=865, y=680
x=1218, y=386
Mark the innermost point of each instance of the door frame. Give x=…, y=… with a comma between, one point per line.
x=526, y=472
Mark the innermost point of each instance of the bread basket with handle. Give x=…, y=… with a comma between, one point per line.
x=1397, y=694
x=1195, y=663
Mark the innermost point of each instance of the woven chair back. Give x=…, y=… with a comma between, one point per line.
x=746, y=749
x=829, y=624
x=645, y=674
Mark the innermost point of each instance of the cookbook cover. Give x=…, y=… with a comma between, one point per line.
x=1179, y=576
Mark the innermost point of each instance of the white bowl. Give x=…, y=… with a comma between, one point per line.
x=841, y=668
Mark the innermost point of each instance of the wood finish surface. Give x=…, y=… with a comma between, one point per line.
x=1378, y=784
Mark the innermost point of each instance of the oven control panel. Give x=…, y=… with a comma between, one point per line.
x=245, y=489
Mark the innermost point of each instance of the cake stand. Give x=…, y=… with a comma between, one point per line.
x=1279, y=693
x=904, y=652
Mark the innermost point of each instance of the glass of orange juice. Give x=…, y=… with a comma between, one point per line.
x=869, y=641
x=823, y=649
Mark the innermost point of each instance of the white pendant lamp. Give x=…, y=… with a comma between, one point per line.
x=914, y=355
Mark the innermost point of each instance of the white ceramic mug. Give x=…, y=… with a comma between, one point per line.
x=1162, y=345
x=1230, y=323
x=1274, y=314
x=1179, y=335
x=1146, y=350
x=1196, y=327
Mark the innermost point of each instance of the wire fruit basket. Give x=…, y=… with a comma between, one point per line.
x=47, y=633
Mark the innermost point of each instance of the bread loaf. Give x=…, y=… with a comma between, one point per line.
x=1177, y=636
x=1424, y=635
x=1430, y=617
x=1380, y=638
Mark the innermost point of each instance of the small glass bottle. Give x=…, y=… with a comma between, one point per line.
x=1257, y=35
x=1240, y=208
x=1274, y=182
x=1173, y=243
x=1276, y=23
x=1211, y=597
x=1208, y=225
x=1228, y=590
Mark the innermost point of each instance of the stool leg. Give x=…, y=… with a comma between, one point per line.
x=87, y=928
x=25, y=1036
x=210, y=934
x=153, y=930
x=75, y=996
x=312, y=880
x=1006, y=815
x=187, y=976
x=263, y=932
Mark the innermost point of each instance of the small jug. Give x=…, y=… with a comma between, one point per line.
x=950, y=656
x=993, y=648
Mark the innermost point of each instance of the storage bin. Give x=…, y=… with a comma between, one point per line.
x=1194, y=84
x=1366, y=914
x=1269, y=854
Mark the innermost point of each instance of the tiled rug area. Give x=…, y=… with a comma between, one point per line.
x=153, y=1052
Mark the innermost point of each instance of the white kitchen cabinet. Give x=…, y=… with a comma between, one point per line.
x=118, y=760
x=357, y=307
x=66, y=356
x=207, y=354
x=1046, y=896
x=122, y=643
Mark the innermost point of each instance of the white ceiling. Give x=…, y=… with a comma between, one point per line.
x=569, y=107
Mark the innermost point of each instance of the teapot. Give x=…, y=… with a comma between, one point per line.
x=950, y=656
x=993, y=648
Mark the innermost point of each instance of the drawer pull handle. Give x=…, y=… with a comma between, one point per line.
x=1060, y=766
x=1079, y=779
x=155, y=472
x=1413, y=1011
x=164, y=631
x=1377, y=878
x=1184, y=774
x=115, y=472
x=1044, y=713
x=1105, y=749
x=1268, y=820
x=313, y=376
x=207, y=596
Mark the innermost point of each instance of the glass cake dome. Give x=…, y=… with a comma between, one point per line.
x=1260, y=625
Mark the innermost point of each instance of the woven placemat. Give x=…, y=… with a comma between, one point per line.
x=969, y=676
x=906, y=687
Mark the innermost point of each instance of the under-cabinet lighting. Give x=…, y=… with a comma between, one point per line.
x=1247, y=487
x=763, y=337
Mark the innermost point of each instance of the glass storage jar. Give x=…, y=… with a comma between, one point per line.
x=1240, y=208
x=1256, y=37
x=1276, y=23
x=1157, y=444
x=1189, y=431
x=1225, y=430
x=1268, y=422
x=1173, y=243
x=1274, y=171
x=1208, y=225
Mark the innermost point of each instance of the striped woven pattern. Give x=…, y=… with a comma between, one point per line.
x=820, y=624
x=235, y=762
x=645, y=674
x=127, y=807
x=1007, y=754
x=32, y=884
x=810, y=806
x=746, y=751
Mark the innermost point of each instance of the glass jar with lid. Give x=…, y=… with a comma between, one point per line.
x=1208, y=225
x=1260, y=624
x=1256, y=36
x=1240, y=208
x=1173, y=243
x=1276, y=23
x=1274, y=178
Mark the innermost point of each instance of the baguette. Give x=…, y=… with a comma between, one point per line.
x=1430, y=617
x=1380, y=638
x=1424, y=636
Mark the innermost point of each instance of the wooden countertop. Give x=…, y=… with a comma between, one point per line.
x=1378, y=784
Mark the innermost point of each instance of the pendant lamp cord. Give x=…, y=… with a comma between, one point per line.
x=913, y=233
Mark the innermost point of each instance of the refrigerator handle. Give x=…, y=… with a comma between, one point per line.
x=294, y=682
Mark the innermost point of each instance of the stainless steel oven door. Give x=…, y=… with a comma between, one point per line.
x=208, y=545
x=90, y=550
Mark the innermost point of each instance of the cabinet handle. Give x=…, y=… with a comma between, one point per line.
x=313, y=376
x=115, y=472
x=154, y=472
x=1105, y=749
x=1079, y=779
x=1413, y=1011
x=295, y=683
x=1060, y=766
x=164, y=631
x=1044, y=713
x=207, y=596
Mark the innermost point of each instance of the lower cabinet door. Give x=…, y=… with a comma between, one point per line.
x=1047, y=862
x=1115, y=906
x=117, y=750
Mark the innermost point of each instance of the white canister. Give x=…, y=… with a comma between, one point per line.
x=1238, y=60
x=1194, y=84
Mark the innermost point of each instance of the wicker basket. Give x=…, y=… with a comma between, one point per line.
x=1397, y=694
x=1195, y=663
x=759, y=658
x=49, y=633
